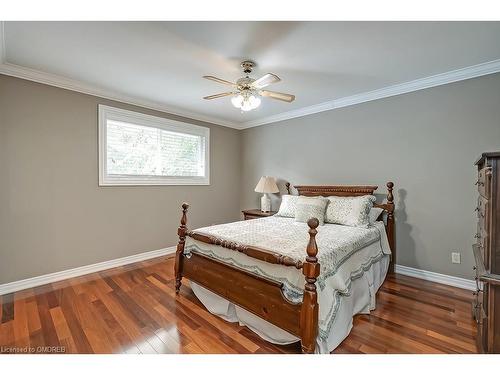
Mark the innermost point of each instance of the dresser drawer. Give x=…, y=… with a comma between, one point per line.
x=478, y=307
x=481, y=236
x=482, y=334
x=482, y=212
x=479, y=271
x=483, y=244
x=484, y=182
x=479, y=313
x=481, y=299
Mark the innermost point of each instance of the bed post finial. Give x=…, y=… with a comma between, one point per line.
x=179, y=254
x=309, y=310
x=390, y=197
x=288, y=187
x=312, y=247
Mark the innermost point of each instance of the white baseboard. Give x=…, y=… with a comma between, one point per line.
x=32, y=282
x=436, y=277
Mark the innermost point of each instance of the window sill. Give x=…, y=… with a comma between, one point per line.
x=153, y=182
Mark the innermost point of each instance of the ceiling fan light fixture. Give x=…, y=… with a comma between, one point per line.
x=254, y=101
x=246, y=102
x=237, y=101
x=246, y=106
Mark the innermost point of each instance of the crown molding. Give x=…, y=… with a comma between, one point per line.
x=462, y=74
x=74, y=85
x=474, y=71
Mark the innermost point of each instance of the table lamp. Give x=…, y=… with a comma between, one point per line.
x=266, y=185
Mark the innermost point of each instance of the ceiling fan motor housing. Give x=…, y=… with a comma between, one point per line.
x=244, y=83
x=247, y=66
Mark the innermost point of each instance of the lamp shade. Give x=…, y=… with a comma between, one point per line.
x=267, y=185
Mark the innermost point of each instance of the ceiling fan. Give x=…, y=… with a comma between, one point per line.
x=247, y=91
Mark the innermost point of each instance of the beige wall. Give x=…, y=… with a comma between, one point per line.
x=53, y=214
x=425, y=141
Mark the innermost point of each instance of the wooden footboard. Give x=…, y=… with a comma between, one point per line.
x=260, y=296
x=257, y=294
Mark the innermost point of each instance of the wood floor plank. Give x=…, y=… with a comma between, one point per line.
x=62, y=330
x=7, y=307
x=47, y=325
x=7, y=338
x=223, y=331
x=68, y=306
x=21, y=330
x=134, y=309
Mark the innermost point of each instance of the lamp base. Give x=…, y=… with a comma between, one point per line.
x=265, y=203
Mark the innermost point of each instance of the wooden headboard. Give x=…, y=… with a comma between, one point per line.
x=341, y=191
x=354, y=191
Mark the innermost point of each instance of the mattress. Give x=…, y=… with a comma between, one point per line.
x=346, y=255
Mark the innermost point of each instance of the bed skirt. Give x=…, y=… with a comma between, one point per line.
x=360, y=300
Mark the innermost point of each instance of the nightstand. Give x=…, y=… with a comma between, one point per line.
x=256, y=213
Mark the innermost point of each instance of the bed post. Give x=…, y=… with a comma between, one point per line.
x=179, y=254
x=390, y=225
x=309, y=310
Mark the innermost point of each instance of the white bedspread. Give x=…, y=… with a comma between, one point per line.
x=344, y=253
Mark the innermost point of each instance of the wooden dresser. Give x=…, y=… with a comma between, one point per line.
x=486, y=306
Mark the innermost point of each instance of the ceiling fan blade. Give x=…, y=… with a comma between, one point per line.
x=219, y=80
x=218, y=95
x=278, y=95
x=266, y=80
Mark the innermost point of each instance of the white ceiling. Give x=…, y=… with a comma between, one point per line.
x=163, y=62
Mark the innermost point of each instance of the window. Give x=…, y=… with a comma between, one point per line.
x=138, y=149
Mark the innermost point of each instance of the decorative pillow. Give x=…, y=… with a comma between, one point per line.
x=309, y=207
x=374, y=214
x=352, y=211
x=288, y=205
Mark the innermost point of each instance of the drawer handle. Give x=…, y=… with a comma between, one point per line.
x=477, y=209
x=474, y=268
x=477, y=235
x=479, y=183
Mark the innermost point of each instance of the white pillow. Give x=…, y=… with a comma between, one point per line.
x=352, y=211
x=288, y=205
x=374, y=214
x=309, y=207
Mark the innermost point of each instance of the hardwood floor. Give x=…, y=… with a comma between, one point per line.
x=133, y=309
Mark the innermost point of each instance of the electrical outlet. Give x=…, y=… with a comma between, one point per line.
x=455, y=257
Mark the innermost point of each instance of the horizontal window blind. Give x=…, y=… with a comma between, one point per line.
x=142, y=152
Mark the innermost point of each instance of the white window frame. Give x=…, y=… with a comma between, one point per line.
x=110, y=113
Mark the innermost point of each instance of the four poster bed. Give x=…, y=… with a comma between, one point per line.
x=243, y=267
